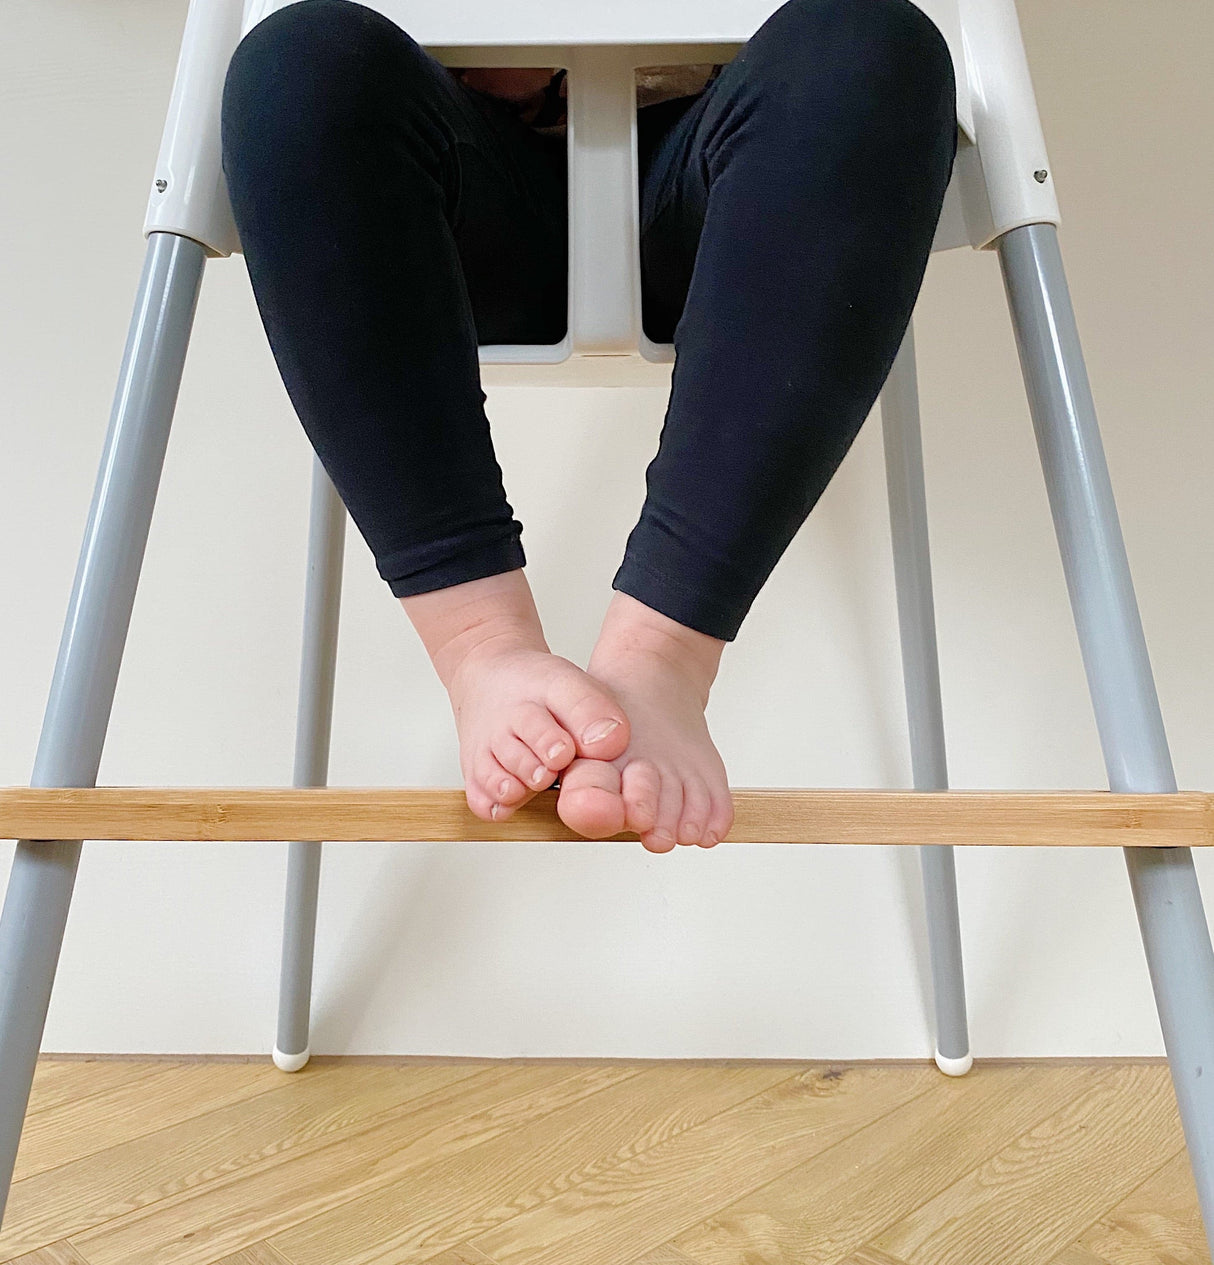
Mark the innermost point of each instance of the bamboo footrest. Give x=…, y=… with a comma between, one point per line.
x=347, y=814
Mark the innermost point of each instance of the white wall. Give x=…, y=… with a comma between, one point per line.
x=604, y=949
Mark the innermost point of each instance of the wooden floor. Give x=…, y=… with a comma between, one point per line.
x=601, y=1163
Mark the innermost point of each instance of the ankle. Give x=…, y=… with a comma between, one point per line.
x=631, y=629
x=466, y=623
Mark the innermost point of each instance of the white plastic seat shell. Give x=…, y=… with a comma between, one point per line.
x=1001, y=177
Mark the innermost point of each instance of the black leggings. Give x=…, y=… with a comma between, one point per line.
x=392, y=218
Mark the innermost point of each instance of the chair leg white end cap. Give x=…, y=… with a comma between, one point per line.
x=291, y=1062
x=954, y=1067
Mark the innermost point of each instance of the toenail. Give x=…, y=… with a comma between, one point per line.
x=711, y=839
x=599, y=730
x=555, y=750
x=493, y=812
x=504, y=789
x=539, y=775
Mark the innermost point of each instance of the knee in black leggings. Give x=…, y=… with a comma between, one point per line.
x=320, y=76
x=873, y=58
x=894, y=36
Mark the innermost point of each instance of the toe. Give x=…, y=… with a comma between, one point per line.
x=590, y=715
x=516, y=757
x=590, y=800
x=640, y=784
x=484, y=805
x=499, y=784
x=664, y=834
x=720, y=820
x=537, y=727
x=697, y=805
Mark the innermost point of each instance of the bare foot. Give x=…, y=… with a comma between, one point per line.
x=523, y=714
x=669, y=785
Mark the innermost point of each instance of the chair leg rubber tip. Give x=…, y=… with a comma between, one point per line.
x=291, y=1062
x=954, y=1067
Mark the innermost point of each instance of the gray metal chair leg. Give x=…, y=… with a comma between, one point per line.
x=921, y=673
x=322, y=606
x=1170, y=915
x=90, y=652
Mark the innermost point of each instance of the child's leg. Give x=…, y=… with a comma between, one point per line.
x=788, y=217
x=358, y=168
x=391, y=219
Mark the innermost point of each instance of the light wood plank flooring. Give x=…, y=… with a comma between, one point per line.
x=461, y=1162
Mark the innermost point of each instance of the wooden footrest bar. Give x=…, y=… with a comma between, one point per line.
x=337, y=814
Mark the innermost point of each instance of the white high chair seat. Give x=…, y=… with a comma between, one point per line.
x=997, y=181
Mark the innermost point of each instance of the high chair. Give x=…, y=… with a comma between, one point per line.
x=1001, y=198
